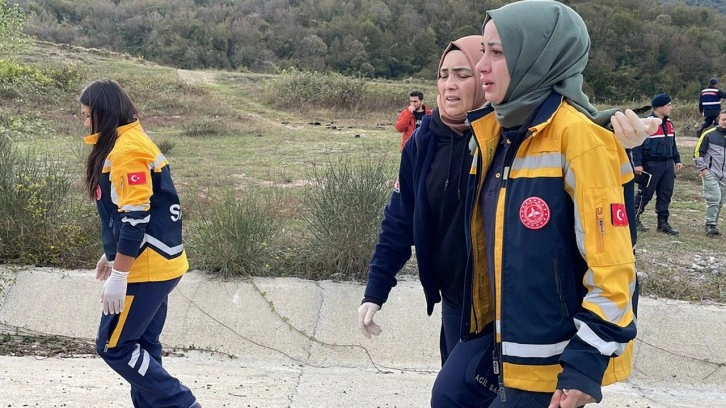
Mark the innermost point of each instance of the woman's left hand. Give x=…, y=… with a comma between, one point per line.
x=103, y=268
x=630, y=130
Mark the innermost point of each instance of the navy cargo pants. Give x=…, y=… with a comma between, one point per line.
x=466, y=379
x=663, y=178
x=129, y=344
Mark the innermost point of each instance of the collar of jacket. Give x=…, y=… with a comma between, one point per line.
x=542, y=116
x=92, y=139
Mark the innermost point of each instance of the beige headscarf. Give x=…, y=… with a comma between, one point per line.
x=471, y=47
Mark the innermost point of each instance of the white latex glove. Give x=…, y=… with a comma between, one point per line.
x=103, y=268
x=630, y=130
x=365, y=320
x=113, y=296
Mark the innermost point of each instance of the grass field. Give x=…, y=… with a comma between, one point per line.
x=221, y=134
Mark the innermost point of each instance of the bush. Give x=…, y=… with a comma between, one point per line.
x=20, y=80
x=305, y=91
x=27, y=81
x=232, y=235
x=302, y=90
x=206, y=128
x=166, y=146
x=344, y=211
x=40, y=223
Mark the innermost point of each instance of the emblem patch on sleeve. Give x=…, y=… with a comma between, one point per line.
x=618, y=215
x=137, y=178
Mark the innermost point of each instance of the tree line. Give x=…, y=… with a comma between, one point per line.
x=639, y=47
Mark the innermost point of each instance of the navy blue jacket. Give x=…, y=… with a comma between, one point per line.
x=660, y=146
x=405, y=223
x=709, y=104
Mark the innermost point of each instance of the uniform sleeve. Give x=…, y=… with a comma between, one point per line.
x=131, y=179
x=677, y=154
x=605, y=324
x=700, y=154
x=637, y=156
x=393, y=249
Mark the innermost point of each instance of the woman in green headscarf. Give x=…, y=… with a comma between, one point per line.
x=551, y=247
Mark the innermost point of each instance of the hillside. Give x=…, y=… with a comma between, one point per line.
x=640, y=47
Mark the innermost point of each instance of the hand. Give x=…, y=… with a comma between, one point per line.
x=630, y=130
x=411, y=108
x=569, y=399
x=365, y=319
x=679, y=166
x=638, y=169
x=703, y=172
x=103, y=268
x=113, y=295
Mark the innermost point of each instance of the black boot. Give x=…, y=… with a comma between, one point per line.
x=664, y=227
x=639, y=225
x=712, y=229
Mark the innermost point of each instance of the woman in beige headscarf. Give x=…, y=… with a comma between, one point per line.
x=426, y=208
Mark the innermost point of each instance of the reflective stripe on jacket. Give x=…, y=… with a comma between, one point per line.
x=710, y=101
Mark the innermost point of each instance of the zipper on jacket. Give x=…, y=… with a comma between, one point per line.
x=497, y=364
x=563, y=306
x=121, y=189
x=496, y=370
x=601, y=230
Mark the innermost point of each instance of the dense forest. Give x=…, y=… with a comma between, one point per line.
x=639, y=47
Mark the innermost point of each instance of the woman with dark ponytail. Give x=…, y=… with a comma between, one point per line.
x=144, y=258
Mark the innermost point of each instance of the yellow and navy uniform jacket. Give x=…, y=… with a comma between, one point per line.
x=560, y=284
x=139, y=208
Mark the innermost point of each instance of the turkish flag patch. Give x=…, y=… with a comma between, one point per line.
x=618, y=215
x=137, y=178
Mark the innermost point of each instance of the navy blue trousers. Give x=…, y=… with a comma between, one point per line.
x=466, y=379
x=663, y=178
x=523, y=399
x=129, y=344
x=450, y=329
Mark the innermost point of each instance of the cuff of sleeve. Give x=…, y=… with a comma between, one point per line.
x=128, y=248
x=571, y=378
x=372, y=300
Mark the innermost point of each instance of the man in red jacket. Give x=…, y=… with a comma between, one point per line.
x=410, y=117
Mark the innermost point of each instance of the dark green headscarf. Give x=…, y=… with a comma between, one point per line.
x=546, y=45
